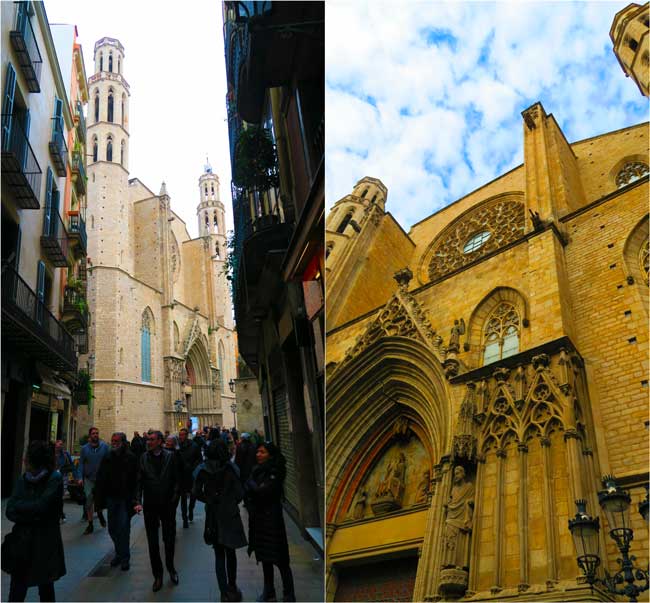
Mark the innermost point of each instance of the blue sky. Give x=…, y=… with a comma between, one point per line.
x=428, y=96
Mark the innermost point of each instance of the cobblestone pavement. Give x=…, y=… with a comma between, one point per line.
x=90, y=578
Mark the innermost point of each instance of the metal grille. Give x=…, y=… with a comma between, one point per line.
x=280, y=408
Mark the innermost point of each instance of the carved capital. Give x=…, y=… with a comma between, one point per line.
x=451, y=367
x=571, y=434
x=545, y=441
x=541, y=362
x=501, y=374
x=588, y=452
x=501, y=453
x=522, y=447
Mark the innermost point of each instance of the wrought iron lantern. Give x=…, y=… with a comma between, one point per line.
x=231, y=385
x=629, y=581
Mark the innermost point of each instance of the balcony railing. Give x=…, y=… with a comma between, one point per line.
x=20, y=169
x=28, y=326
x=80, y=171
x=81, y=341
x=24, y=42
x=75, y=310
x=81, y=121
x=77, y=231
x=54, y=240
x=58, y=148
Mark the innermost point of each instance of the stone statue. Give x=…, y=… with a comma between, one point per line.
x=360, y=506
x=396, y=486
x=384, y=484
x=456, y=331
x=458, y=523
x=423, y=488
x=389, y=493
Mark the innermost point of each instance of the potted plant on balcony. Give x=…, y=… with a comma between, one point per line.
x=84, y=389
x=256, y=165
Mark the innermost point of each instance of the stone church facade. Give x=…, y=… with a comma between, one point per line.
x=162, y=341
x=484, y=371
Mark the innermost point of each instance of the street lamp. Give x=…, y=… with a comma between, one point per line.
x=233, y=408
x=231, y=385
x=615, y=503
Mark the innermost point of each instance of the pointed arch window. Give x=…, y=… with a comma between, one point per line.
x=119, y=65
x=364, y=193
x=344, y=222
x=122, y=153
x=110, y=105
x=109, y=149
x=94, y=149
x=101, y=62
x=206, y=190
x=216, y=248
x=145, y=345
x=216, y=223
x=212, y=189
x=96, y=106
x=110, y=62
x=501, y=334
x=122, y=111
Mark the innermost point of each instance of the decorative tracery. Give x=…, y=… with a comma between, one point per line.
x=631, y=171
x=501, y=335
x=488, y=228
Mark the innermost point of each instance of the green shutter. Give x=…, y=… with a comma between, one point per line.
x=47, y=218
x=40, y=291
x=8, y=105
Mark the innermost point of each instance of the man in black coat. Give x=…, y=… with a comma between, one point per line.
x=159, y=485
x=138, y=445
x=191, y=456
x=115, y=490
x=245, y=456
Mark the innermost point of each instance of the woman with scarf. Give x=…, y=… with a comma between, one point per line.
x=33, y=552
x=267, y=535
x=217, y=484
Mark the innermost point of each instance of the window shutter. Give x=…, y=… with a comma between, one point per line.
x=8, y=105
x=18, y=239
x=40, y=291
x=58, y=114
x=47, y=218
x=26, y=124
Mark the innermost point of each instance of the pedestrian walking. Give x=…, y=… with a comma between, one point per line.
x=91, y=456
x=138, y=445
x=64, y=465
x=218, y=485
x=191, y=457
x=245, y=456
x=157, y=494
x=267, y=535
x=33, y=552
x=115, y=491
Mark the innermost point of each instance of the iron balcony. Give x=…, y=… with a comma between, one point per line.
x=54, y=240
x=24, y=42
x=58, y=149
x=79, y=172
x=20, y=169
x=77, y=231
x=81, y=121
x=75, y=310
x=28, y=326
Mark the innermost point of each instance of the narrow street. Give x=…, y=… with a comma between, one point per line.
x=90, y=578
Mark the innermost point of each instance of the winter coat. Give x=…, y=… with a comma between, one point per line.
x=245, y=458
x=158, y=489
x=219, y=487
x=117, y=478
x=191, y=456
x=36, y=508
x=267, y=535
x=138, y=446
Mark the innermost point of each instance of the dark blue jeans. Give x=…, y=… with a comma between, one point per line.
x=119, y=526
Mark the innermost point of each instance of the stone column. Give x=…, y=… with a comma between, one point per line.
x=476, y=529
x=549, y=512
x=331, y=582
x=499, y=507
x=424, y=562
x=522, y=517
x=572, y=443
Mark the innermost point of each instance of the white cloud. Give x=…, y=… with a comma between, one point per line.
x=432, y=93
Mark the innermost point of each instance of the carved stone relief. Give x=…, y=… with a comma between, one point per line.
x=643, y=260
x=503, y=219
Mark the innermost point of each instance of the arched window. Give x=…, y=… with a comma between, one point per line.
x=633, y=44
x=122, y=112
x=96, y=106
x=145, y=345
x=110, y=104
x=122, y=153
x=94, y=149
x=110, y=62
x=101, y=62
x=216, y=223
x=364, y=193
x=212, y=189
x=222, y=377
x=631, y=172
x=501, y=333
x=207, y=219
x=216, y=248
x=344, y=222
x=119, y=65
x=206, y=190
x=109, y=149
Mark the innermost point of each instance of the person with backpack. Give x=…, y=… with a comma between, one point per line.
x=217, y=484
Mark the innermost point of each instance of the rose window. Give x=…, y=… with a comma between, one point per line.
x=631, y=172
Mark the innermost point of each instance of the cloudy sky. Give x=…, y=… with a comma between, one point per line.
x=428, y=96
x=174, y=64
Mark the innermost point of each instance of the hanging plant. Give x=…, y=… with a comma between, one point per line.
x=256, y=166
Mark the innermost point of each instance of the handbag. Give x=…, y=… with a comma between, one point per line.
x=17, y=548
